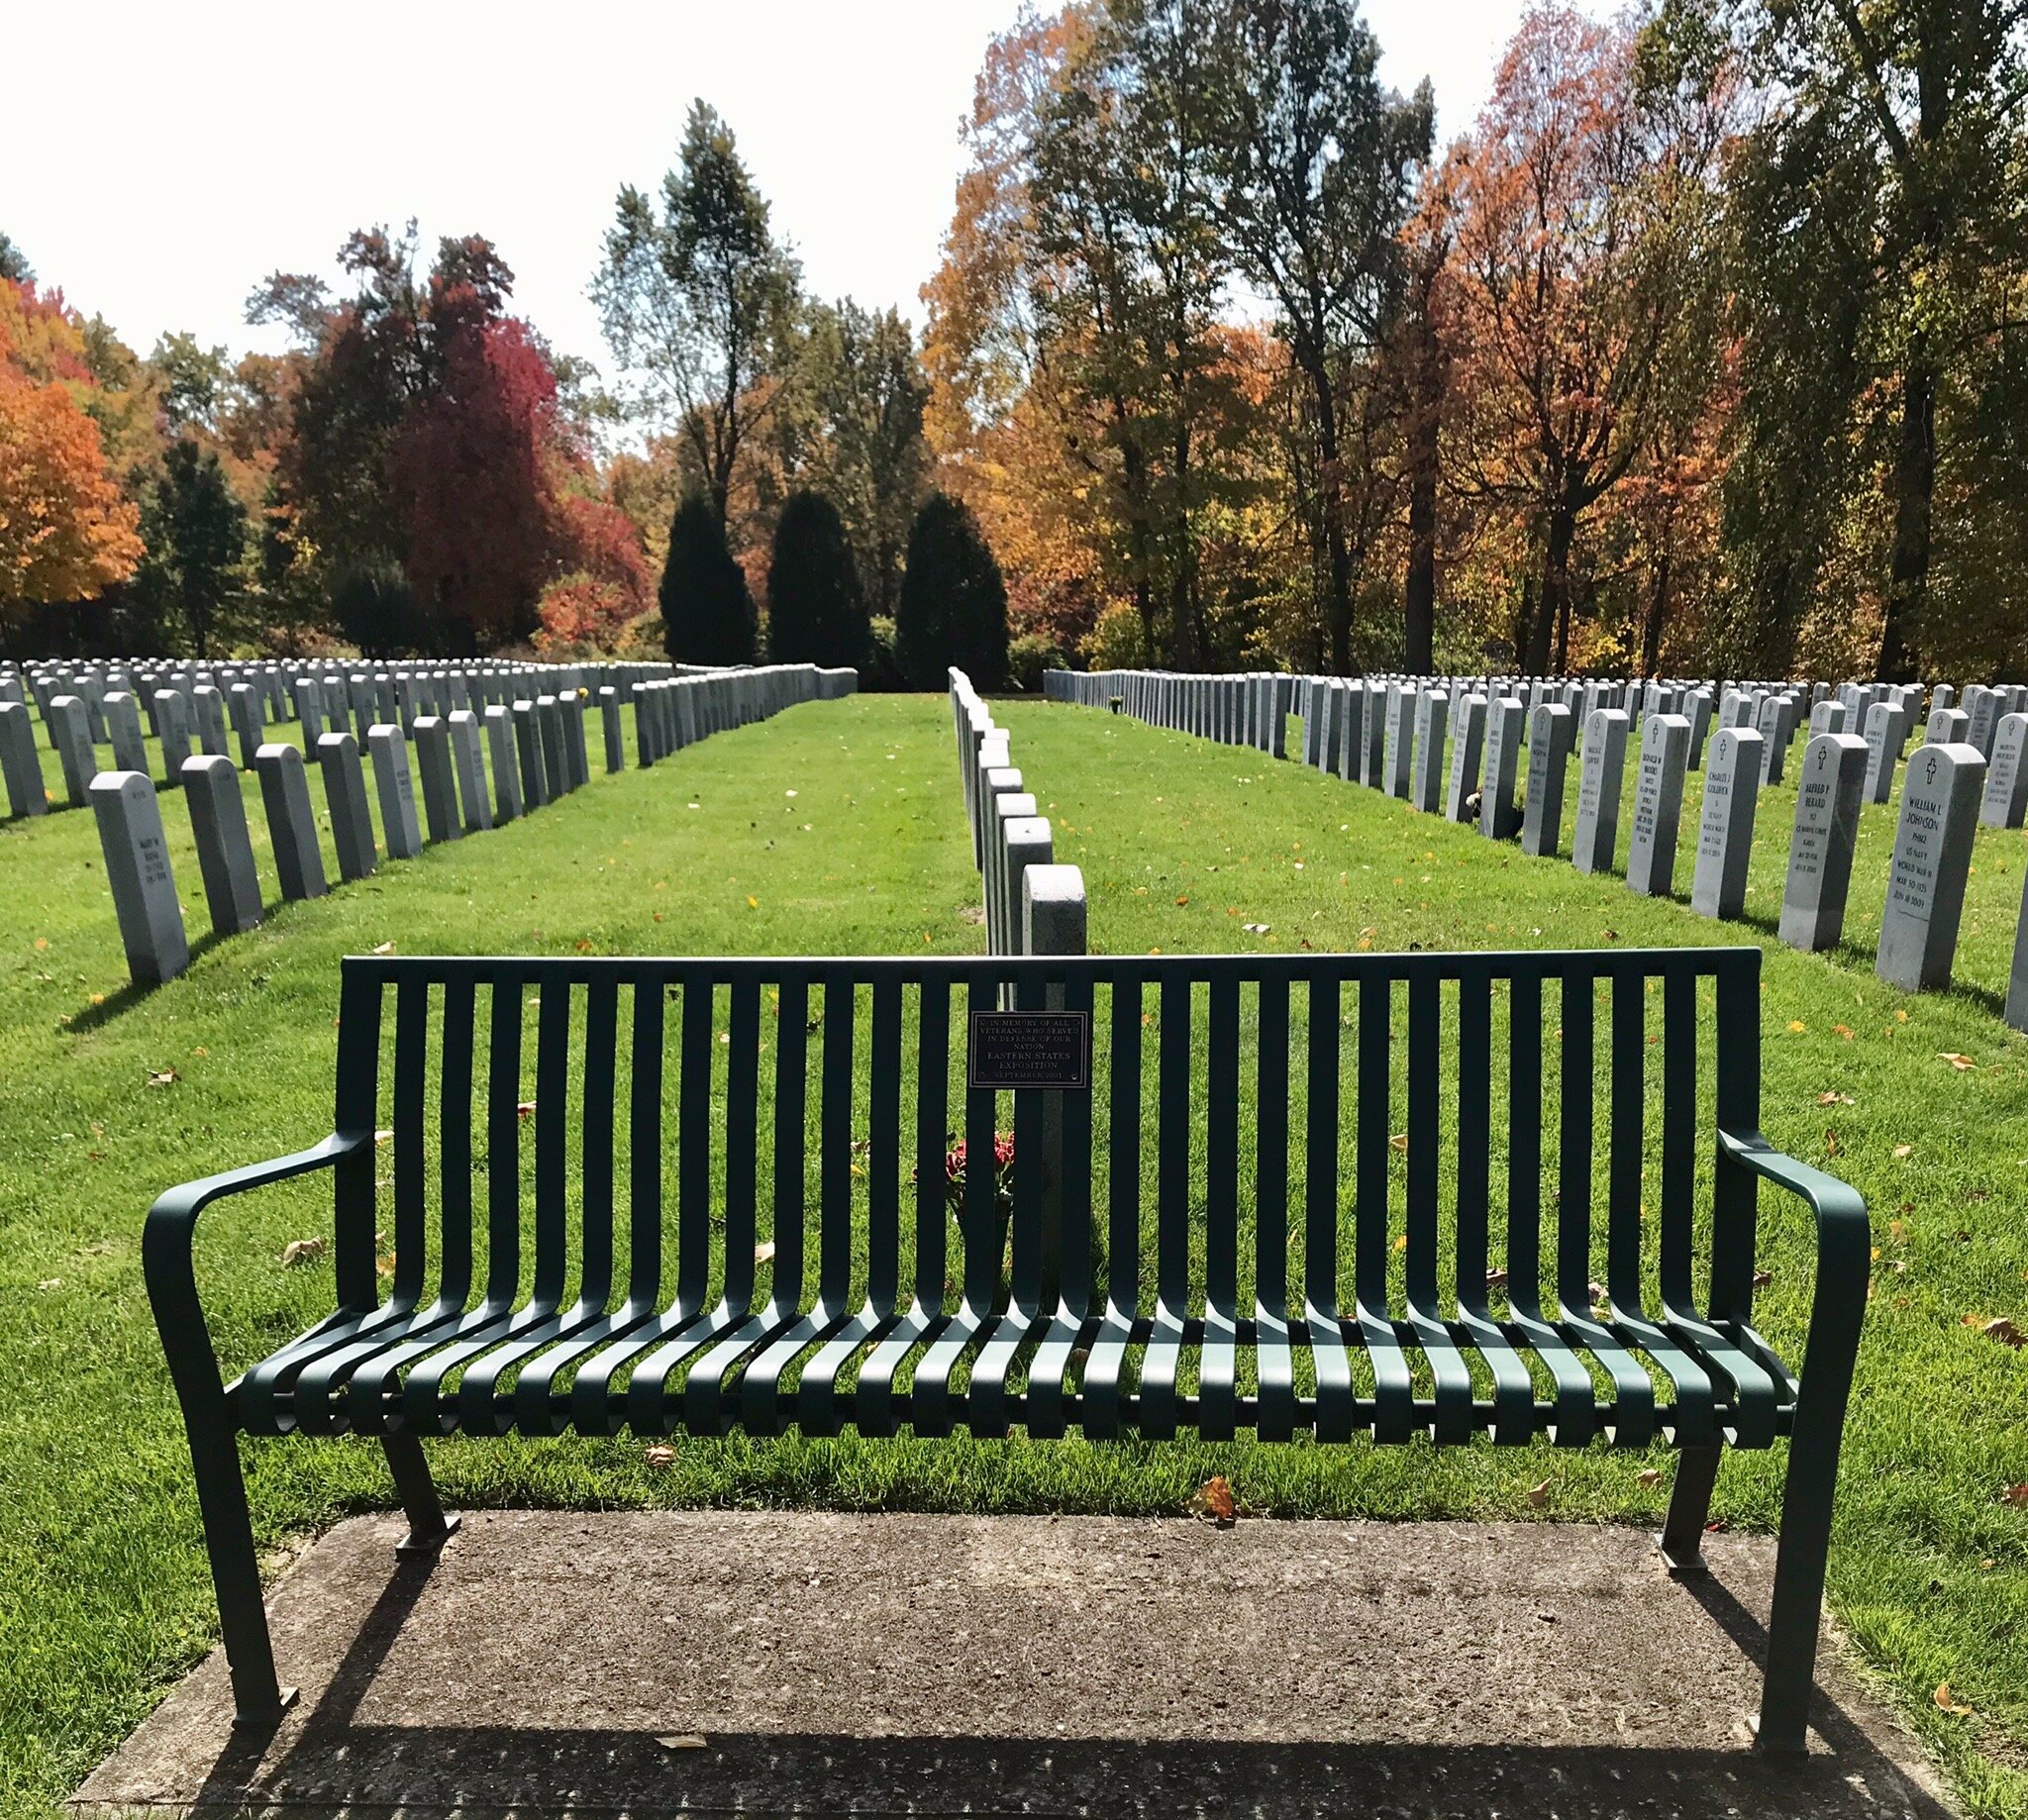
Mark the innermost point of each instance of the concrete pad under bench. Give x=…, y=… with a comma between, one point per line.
x=715, y=1661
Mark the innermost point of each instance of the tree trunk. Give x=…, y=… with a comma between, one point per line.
x=1524, y=621
x=1658, y=608
x=1331, y=502
x=1916, y=476
x=1554, y=610
x=1419, y=608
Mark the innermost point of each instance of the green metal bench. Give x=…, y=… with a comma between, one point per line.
x=1218, y=1231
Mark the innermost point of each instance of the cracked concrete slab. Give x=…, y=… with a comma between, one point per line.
x=802, y=1662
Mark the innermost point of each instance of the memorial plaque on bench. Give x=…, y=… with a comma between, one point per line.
x=1029, y=1049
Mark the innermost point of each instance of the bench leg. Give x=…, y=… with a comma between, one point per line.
x=259, y=1697
x=428, y=1527
x=1801, y=1557
x=1682, y=1541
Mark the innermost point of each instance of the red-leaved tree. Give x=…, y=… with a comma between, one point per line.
x=474, y=474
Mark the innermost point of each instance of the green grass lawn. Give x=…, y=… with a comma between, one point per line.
x=107, y=1596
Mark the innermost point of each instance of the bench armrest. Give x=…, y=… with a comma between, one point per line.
x=1843, y=1256
x=169, y=1268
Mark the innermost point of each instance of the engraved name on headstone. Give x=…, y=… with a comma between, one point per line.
x=1932, y=859
x=136, y=856
x=1725, y=827
x=1600, y=776
x=1828, y=788
x=1657, y=804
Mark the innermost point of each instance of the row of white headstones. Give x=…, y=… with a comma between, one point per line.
x=1451, y=745
x=538, y=751
x=1032, y=905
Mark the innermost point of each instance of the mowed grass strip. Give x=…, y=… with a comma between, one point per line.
x=1929, y=1573
x=102, y=1531
x=833, y=827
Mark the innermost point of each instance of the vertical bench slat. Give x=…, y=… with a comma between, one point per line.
x=883, y=1150
x=705, y=1406
x=1272, y=1362
x=874, y=1395
x=1172, y=1147
x=1632, y=1412
x=552, y=1166
x=695, y=1101
x=1513, y=1392
x=411, y=1067
x=1757, y=1395
x=1625, y=1282
x=1217, y=1406
x=598, y=1124
x=645, y=1150
x=835, y=1159
x=454, y=1146
x=1452, y=1377
x=1575, y=1415
x=503, y=1142
x=934, y=1402
x=791, y=1138
x=988, y=1405
x=1102, y=1369
x=818, y=1408
x=1067, y=1302
x=1679, y=1139
x=1336, y=1410
x=1393, y=1389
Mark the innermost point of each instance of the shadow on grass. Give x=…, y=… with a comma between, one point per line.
x=96, y=1015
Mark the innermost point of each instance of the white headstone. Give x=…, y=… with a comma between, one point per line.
x=136, y=854
x=225, y=848
x=1827, y=800
x=1932, y=860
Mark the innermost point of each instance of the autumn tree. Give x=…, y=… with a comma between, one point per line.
x=953, y=601
x=1317, y=165
x=695, y=298
x=422, y=437
x=707, y=612
x=67, y=532
x=14, y=265
x=816, y=613
x=1584, y=241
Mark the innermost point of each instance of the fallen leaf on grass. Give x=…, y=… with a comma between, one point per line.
x=301, y=1251
x=1945, y=1701
x=1796, y=1025
x=1958, y=1062
x=526, y=1108
x=2016, y=1495
x=1182, y=901
x=1651, y=1476
x=162, y=1077
x=1255, y=929
x=1842, y=1030
x=1905, y=1150
x=1762, y=1278
x=1830, y=1143
x=2005, y=1332
x=1496, y=1279
x=763, y=1252
x=1835, y=1098
x=384, y=948
x=1400, y=1140
x=1538, y=1495
x=1214, y=1503
x=658, y=1455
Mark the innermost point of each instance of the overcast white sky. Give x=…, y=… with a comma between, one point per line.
x=198, y=147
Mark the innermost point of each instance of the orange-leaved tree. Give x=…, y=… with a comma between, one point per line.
x=66, y=531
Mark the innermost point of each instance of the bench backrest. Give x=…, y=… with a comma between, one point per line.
x=1335, y=1129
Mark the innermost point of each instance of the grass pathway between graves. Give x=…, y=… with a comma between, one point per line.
x=106, y=1598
